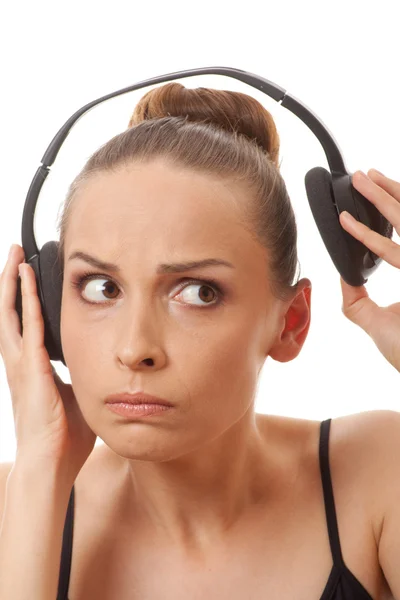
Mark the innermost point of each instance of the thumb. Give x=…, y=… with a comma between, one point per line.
x=357, y=306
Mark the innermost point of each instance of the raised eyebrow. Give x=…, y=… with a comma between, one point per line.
x=161, y=268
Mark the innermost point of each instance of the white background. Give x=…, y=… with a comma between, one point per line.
x=340, y=59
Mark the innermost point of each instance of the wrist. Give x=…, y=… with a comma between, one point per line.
x=32, y=470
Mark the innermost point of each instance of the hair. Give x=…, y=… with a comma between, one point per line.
x=225, y=134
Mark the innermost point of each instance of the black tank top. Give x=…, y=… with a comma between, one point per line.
x=341, y=584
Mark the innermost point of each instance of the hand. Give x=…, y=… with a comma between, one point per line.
x=48, y=422
x=382, y=324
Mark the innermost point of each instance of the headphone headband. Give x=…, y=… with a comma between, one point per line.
x=325, y=137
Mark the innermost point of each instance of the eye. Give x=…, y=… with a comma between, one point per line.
x=207, y=293
x=90, y=283
x=210, y=292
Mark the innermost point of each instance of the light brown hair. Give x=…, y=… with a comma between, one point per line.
x=225, y=134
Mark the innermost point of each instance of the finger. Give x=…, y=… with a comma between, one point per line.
x=10, y=330
x=391, y=186
x=358, y=307
x=32, y=320
x=384, y=247
x=386, y=204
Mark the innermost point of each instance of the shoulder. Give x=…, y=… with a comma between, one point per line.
x=364, y=456
x=364, y=452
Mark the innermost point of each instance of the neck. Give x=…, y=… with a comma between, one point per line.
x=198, y=497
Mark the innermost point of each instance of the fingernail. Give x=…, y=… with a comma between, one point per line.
x=364, y=175
x=379, y=173
x=346, y=217
x=11, y=250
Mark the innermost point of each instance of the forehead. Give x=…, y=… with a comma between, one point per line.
x=158, y=207
x=157, y=186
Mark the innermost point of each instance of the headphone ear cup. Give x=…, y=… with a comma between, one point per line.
x=341, y=246
x=51, y=280
x=49, y=290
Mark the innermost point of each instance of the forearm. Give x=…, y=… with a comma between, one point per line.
x=31, y=532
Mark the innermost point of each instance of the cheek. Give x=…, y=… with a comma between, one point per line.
x=85, y=356
x=221, y=369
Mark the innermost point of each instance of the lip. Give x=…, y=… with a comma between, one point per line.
x=138, y=398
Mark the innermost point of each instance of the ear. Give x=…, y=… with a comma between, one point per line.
x=296, y=318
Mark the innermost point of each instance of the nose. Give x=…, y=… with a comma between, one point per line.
x=140, y=344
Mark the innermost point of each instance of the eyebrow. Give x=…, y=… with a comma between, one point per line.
x=161, y=268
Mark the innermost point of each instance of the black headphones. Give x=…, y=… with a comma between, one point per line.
x=329, y=193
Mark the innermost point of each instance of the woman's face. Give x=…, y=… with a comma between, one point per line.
x=207, y=346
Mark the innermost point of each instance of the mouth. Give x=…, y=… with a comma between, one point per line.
x=138, y=398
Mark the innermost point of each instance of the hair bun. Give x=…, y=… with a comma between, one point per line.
x=232, y=111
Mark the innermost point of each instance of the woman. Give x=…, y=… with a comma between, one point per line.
x=203, y=498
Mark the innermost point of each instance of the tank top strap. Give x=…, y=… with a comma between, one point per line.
x=66, y=551
x=328, y=493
